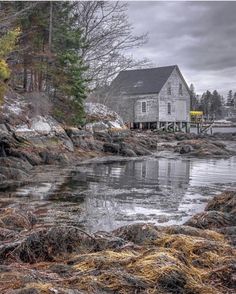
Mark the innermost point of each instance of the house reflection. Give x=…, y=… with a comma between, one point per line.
x=119, y=193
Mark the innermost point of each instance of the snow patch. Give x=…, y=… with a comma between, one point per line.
x=40, y=125
x=101, y=118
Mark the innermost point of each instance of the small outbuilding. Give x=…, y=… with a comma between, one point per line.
x=152, y=98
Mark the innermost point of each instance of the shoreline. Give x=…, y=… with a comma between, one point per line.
x=67, y=259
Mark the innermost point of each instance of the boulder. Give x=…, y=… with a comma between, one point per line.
x=225, y=202
x=211, y=220
x=128, y=152
x=111, y=147
x=6, y=140
x=44, y=130
x=139, y=150
x=13, y=169
x=185, y=149
x=103, y=136
x=32, y=158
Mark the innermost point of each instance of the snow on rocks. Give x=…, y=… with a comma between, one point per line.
x=43, y=127
x=14, y=109
x=101, y=118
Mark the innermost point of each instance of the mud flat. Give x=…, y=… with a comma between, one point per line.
x=196, y=257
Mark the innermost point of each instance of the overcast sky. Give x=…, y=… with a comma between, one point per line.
x=198, y=36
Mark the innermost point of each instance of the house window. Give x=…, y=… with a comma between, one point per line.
x=180, y=89
x=169, y=88
x=169, y=108
x=144, y=106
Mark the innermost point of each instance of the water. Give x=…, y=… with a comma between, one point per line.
x=216, y=130
x=104, y=196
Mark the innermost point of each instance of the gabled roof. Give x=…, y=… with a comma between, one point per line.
x=142, y=81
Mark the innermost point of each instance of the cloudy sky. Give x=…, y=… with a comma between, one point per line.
x=198, y=36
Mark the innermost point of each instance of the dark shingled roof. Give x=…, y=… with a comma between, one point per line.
x=142, y=81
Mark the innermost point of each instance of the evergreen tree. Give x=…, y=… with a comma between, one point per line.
x=211, y=104
x=230, y=98
x=205, y=103
x=216, y=105
x=49, y=56
x=193, y=98
x=234, y=99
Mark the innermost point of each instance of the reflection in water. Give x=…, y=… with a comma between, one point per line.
x=106, y=196
x=134, y=191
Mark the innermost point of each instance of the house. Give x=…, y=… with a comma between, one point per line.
x=151, y=98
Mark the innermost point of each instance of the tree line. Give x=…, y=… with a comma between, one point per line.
x=211, y=103
x=64, y=49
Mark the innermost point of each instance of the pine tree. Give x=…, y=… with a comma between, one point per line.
x=193, y=98
x=49, y=56
x=234, y=99
x=205, y=103
x=230, y=98
x=216, y=105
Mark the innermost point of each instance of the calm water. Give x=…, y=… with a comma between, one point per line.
x=104, y=196
x=217, y=130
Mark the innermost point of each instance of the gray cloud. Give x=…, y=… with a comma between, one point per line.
x=198, y=36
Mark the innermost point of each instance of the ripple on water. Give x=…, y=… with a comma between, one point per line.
x=159, y=190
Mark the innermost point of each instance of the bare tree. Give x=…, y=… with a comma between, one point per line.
x=8, y=14
x=108, y=36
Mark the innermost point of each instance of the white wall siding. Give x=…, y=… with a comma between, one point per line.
x=151, y=114
x=180, y=104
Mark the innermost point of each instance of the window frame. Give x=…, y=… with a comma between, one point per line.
x=169, y=108
x=169, y=92
x=144, y=103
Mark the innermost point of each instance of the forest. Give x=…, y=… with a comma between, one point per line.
x=64, y=50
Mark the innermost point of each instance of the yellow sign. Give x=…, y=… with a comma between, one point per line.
x=195, y=113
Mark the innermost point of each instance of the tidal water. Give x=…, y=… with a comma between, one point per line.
x=103, y=196
x=216, y=130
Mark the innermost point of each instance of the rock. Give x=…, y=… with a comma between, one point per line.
x=31, y=157
x=185, y=149
x=211, y=220
x=202, y=148
x=96, y=112
x=44, y=130
x=128, y=152
x=13, y=162
x=138, y=233
x=6, y=141
x=103, y=136
x=79, y=137
x=50, y=157
x=225, y=202
x=118, y=135
x=111, y=147
x=3, y=128
x=13, y=168
x=139, y=150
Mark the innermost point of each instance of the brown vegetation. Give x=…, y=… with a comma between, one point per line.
x=139, y=258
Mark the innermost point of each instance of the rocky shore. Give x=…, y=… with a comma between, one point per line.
x=29, y=139
x=36, y=257
x=48, y=142
x=196, y=257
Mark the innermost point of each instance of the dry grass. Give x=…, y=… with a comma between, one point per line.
x=141, y=258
